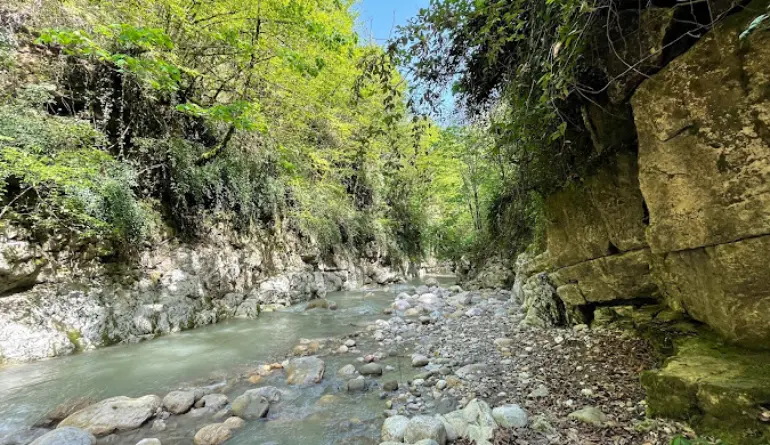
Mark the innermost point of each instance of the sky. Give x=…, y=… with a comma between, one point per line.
x=379, y=18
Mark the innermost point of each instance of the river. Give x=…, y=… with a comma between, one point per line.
x=215, y=355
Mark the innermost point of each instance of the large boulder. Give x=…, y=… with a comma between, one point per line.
x=251, y=406
x=179, y=402
x=510, y=416
x=481, y=423
x=720, y=389
x=66, y=409
x=425, y=427
x=66, y=436
x=535, y=292
x=213, y=434
x=305, y=371
x=271, y=393
x=115, y=414
x=212, y=401
x=319, y=303
x=371, y=369
x=394, y=428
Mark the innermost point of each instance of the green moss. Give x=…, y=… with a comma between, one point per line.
x=108, y=340
x=719, y=389
x=74, y=338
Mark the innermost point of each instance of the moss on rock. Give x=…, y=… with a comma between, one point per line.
x=722, y=390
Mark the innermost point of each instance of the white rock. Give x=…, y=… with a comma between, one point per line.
x=425, y=427
x=510, y=416
x=419, y=360
x=66, y=436
x=394, y=428
x=115, y=414
x=178, y=402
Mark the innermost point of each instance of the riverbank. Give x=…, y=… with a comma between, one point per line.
x=439, y=355
x=58, y=298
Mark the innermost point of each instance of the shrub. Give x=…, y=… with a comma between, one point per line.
x=55, y=174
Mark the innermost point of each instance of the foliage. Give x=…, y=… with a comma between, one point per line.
x=137, y=50
x=53, y=173
x=515, y=64
x=473, y=202
x=496, y=47
x=245, y=186
x=269, y=112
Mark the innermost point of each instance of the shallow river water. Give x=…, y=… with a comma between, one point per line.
x=213, y=355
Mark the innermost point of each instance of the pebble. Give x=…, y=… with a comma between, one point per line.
x=590, y=415
x=419, y=360
x=371, y=369
x=390, y=385
x=539, y=392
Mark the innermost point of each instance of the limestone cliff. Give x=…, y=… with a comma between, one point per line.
x=57, y=298
x=685, y=218
x=680, y=216
x=704, y=157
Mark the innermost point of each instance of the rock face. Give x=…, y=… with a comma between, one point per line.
x=57, y=298
x=597, y=250
x=703, y=146
x=305, y=371
x=603, y=216
x=493, y=274
x=536, y=293
x=66, y=436
x=686, y=221
x=682, y=221
x=617, y=277
x=724, y=286
x=704, y=157
x=115, y=414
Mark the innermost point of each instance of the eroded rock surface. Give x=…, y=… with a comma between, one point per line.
x=115, y=414
x=305, y=371
x=721, y=389
x=704, y=157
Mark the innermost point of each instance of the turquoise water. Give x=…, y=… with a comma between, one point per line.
x=215, y=355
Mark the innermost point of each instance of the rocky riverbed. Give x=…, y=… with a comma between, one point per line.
x=438, y=365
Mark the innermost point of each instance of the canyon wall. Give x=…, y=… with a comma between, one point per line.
x=57, y=298
x=685, y=218
x=675, y=225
